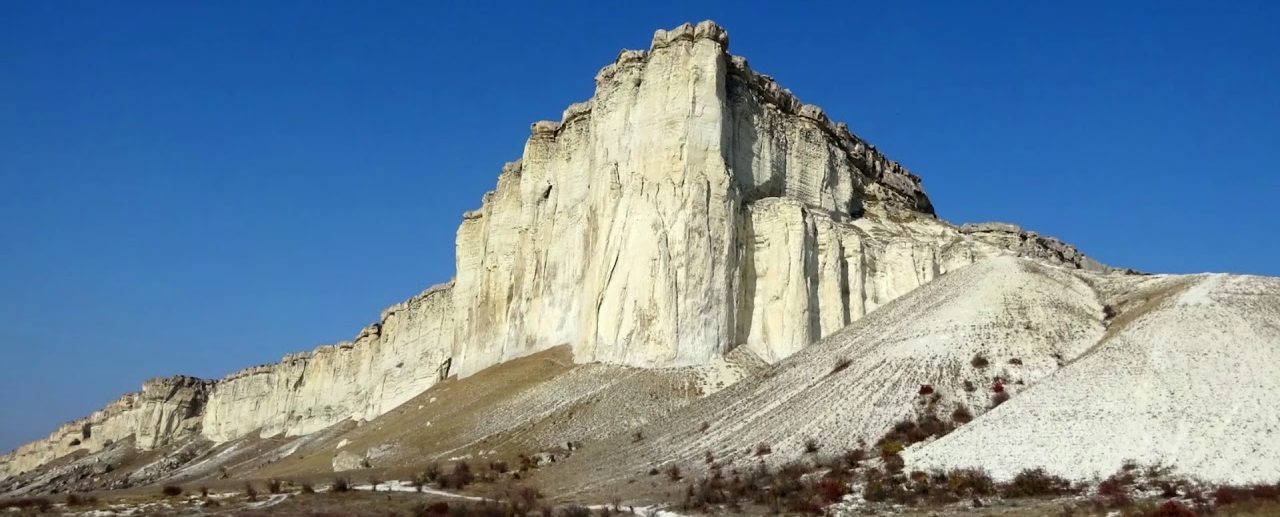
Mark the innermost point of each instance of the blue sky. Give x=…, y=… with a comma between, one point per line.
x=195, y=187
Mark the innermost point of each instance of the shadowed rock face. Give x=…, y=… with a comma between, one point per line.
x=691, y=206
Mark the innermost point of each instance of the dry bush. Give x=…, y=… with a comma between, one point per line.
x=171, y=490
x=307, y=488
x=673, y=472
x=1034, y=483
x=763, y=449
x=703, y=428
x=460, y=477
x=979, y=361
x=811, y=446
x=961, y=415
x=250, y=493
x=843, y=363
x=925, y=389
x=273, y=485
x=81, y=500
x=999, y=398
x=1015, y=361
x=340, y=484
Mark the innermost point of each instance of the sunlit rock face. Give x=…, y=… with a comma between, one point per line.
x=689, y=207
x=166, y=408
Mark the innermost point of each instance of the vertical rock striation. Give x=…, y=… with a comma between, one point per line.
x=689, y=207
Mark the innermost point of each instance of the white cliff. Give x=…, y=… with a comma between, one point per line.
x=689, y=207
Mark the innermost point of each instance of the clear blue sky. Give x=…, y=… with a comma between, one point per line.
x=195, y=187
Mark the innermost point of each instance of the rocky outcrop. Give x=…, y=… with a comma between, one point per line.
x=165, y=409
x=690, y=207
x=1031, y=244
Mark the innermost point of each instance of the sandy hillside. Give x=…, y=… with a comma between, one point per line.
x=855, y=384
x=1186, y=377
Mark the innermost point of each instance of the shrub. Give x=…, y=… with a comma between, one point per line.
x=925, y=389
x=250, y=493
x=843, y=363
x=703, y=428
x=997, y=387
x=673, y=472
x=460, y=477
x=1035, y=483
x=969, y=387
x=979, y=361
x=811, y=446
x=1015, y=361
x=78, y=500
x=708, y=457
x=853, y=457
x=373, y=482
x=498, y=466
x=307, y=488
x=999, y=398
x=763, y=449
x=637, y=436
x=970, y=482
x=204, y=491
x=273, y=485
x=340, y=484
x=653, y=471
x=961, y=415
x=171, y=490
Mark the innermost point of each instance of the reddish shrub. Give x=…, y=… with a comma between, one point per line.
x=998, y=387
x=832, y=489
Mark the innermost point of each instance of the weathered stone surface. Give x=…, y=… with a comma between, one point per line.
x=691, y=206
x=165, y=408
x=347, y=460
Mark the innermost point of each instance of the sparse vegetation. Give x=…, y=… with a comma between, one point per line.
x=811, y=446
x=340, y=484
x=1035, y=483
x=979, y=361
x=673, y=472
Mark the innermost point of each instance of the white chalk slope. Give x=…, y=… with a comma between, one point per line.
x=1186, y=376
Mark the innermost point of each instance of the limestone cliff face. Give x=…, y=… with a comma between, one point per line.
x=165, y=408
x=689, y=207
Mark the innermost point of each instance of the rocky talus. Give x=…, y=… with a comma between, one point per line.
x=689, y=207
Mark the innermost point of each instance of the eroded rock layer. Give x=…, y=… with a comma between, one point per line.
x=689, y=207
